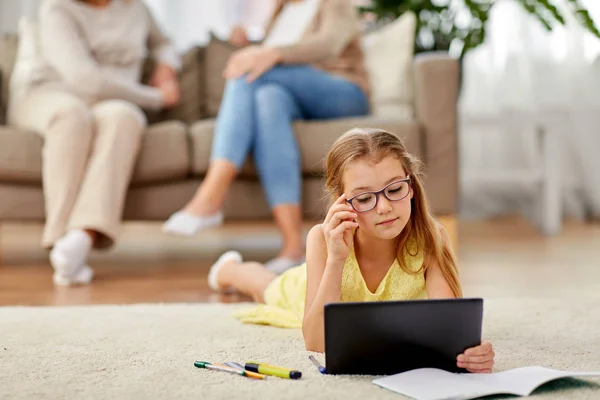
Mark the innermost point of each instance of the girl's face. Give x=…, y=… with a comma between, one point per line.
x=387, y=218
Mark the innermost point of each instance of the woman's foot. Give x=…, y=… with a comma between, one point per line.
x=188, y=224
x=281, y=264
x=290, y=256
x=218, y=271
x=69, y=257
x=83, y=276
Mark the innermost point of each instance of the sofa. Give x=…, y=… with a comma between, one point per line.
x=175, y=151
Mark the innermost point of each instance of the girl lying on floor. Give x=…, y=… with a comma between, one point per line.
x=378, y=242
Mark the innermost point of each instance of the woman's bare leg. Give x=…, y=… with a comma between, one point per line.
x=289, y=220
x=211, y=193
x=249, y=278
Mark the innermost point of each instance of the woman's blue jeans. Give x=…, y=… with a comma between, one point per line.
x=257, y=117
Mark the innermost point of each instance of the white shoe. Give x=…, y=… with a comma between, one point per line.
x=215, y=268
x=82, y=277
x=281, y=264
x=182, y=223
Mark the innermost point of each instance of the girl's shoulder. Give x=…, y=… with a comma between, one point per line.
x=315, y=235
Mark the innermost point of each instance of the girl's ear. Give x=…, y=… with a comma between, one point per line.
x=412, y=192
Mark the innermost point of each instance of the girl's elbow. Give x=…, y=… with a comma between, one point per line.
x=312, y=345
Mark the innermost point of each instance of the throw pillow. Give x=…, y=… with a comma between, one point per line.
x=192, y=106
x=9, y=42
x=217, y=54
x=389, y=53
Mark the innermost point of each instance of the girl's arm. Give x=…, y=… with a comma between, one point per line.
x=323, y=285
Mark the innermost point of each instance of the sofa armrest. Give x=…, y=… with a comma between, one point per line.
x=436, y=108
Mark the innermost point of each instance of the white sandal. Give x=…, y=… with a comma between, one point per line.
x=215, y=268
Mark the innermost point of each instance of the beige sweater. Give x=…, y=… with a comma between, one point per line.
x=98, y=53
x=331, y=42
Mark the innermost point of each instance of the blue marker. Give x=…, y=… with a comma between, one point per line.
x=319, y=366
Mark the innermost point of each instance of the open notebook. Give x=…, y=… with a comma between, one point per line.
x=437, y=384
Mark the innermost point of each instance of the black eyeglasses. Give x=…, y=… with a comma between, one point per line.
x=367, y=201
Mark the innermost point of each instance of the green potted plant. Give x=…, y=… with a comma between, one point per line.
x=439, y=28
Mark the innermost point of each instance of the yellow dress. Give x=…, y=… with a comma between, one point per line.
x=285, y=296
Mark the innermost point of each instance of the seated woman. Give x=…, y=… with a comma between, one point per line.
x=378, y=242
x=309, y=67
x=84, y=98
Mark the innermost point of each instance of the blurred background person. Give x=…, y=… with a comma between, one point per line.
x=310, y=66
x=85, y=98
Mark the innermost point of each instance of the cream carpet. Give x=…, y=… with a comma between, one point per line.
x=116, y=352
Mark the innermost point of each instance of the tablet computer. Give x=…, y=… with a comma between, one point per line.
x=389, y=337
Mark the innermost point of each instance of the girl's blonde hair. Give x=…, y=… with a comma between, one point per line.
x=422, y=228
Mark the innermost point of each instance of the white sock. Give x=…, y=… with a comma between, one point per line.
x=281, y=264
x=70, y=253
x=83, y=276
x=182, y=223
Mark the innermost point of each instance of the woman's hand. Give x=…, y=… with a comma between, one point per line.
x=238, y=36
x=477, y=359
x=162, y=73
x=338, y=229
x=252, y=61
x=170, y=94
x=164, y=78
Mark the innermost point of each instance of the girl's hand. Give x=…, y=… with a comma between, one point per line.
x=338, y=229
x=477, y=359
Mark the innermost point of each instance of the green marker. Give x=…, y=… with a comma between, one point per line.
x=207, y=365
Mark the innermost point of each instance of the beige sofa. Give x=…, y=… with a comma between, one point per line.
x=176, y=147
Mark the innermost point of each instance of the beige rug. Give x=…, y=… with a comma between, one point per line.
x=116, y=352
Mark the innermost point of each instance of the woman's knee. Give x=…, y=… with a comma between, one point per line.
x=271, y=97
x=120, y=110
x=237, y=84
x=71, y=117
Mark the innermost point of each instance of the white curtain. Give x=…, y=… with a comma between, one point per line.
x=190, y=22
x=12, y=10
x=523, y=67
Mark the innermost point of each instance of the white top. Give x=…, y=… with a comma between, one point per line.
x=292, y=22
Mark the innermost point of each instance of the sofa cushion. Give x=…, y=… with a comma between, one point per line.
x=163, y=155
x=192, y=106
x=314, y=140
x=20, y=155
